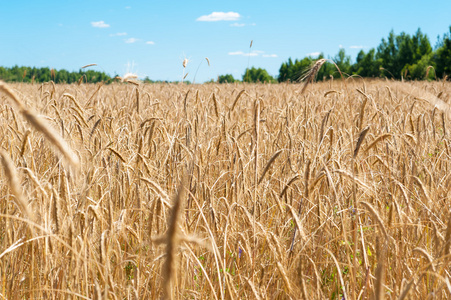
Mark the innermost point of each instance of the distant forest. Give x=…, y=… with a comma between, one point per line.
x=399, y=56
x=28, y=74
x=402, y=56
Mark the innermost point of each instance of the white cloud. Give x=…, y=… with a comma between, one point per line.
x=100, y=24
x=131, y=40
x=236, y=53
x=119, y=34
x=150, y=43
x=219, y=16
x=253, y=53
x=340, y=46
x=237, y=25
x=313, y=54
x=357, y=47
x=128, y=7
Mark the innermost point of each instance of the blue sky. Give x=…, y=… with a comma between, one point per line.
x=152, y=38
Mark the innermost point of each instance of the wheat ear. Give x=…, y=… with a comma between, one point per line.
x=311, y=73
x=14, y=184
x=268, y=165
x=41, y=126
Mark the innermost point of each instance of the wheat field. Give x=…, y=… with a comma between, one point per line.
x=232, y=191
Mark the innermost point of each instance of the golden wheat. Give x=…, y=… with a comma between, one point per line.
x=340, y=192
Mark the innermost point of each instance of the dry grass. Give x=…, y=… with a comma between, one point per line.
x=225, y=191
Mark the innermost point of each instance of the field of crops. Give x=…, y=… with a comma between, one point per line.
x=231, y=191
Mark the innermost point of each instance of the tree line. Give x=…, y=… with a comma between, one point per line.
x=402, y=56
x=33, y=74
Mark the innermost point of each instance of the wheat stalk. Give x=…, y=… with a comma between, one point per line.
x=14, y=184
x=171, y=241
x=41, y=126
x=268, y=165
x=360, y=140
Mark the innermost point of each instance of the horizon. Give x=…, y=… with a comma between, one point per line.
x=153, y=39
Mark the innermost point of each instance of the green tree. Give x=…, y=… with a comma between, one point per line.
x=284, y=72
x=386, y=52
x=442, y=57
x=257, y=75
x=293, y=71
x=366, y=64
x=419, y=70
x=227, y=78
x=61, y=76
x=343, y=61
x=422, y=45
x=400, y=52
